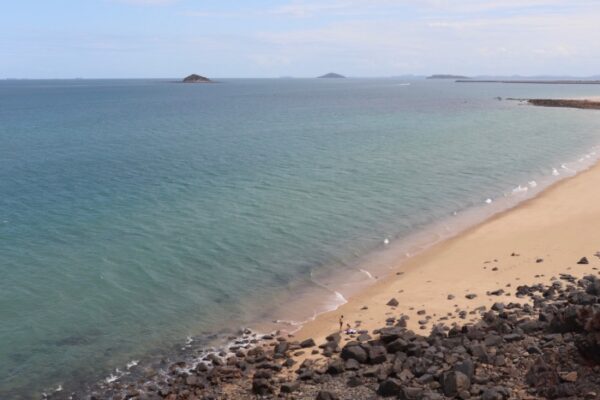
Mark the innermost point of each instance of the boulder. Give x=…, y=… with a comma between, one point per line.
x=354, y=381
x=326, y=395
x=377, y=354
x=336, y=367
x=289, y=387
x=261, y=387
x=455, y=382
x=354, y=352
x=307, y=343
x=392, y=303
x=389, y=388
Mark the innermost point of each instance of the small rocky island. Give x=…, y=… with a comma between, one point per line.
x=193, y=78
x=332, y=75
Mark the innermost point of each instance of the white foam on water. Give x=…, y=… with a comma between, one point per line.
x=520, y=189
x=367, y=273
x=488, y=201
x=287, y=322
x=533, y=184
x=341, y=298
x=132, y=364
x=386, y=241
x=555, y=172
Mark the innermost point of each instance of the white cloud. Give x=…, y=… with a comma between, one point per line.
x=500, y=43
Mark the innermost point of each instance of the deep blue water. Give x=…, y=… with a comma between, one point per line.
x=134, y=213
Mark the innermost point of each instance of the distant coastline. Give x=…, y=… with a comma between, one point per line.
x=566, y=103
x=447, y=76
x=544, y=82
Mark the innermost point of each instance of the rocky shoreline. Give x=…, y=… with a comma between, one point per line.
x=546, y=345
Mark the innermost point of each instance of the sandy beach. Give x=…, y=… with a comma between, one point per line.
x=531, y=243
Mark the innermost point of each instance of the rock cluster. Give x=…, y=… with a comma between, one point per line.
x=547, y=348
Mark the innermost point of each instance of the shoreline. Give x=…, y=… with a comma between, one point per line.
x=418, y=270
x=381, y=264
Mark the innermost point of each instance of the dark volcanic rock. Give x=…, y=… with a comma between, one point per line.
x=392, y=303
x=455, y=382
x=548, y=347
x=389, y=387
x=354, y=381
x=355, y=352
x=307, y=343
x=377, y=354
x=261, y=387
x=326, y=395
x=289, y=387
x=336, y=367
x=390, y=334
x=542, y=375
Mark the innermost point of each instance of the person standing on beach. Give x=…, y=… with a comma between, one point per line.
x=341, y=322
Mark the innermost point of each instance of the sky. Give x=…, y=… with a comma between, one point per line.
x=301, y=38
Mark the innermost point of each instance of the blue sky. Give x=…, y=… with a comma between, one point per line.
x=268, y=38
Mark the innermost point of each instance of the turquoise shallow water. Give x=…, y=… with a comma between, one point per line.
x=136, y=213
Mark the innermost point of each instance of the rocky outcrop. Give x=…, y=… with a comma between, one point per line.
x=193, y=78
x=547, y=348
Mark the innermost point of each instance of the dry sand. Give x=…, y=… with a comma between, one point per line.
x=559, y=226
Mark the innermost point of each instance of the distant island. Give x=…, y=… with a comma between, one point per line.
x=193, y=78
x=332, y=75
x=447, y=76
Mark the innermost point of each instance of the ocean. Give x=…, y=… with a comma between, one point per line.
x=138, y=216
